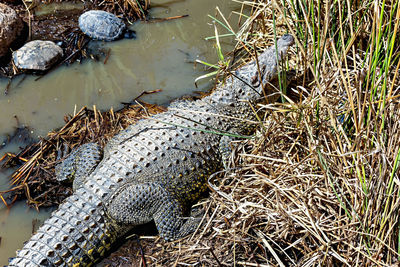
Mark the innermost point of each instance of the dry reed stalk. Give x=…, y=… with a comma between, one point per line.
x=130, y=9
x=319, y=184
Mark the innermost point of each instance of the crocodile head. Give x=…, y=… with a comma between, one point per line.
x=271, y=58
x=265, y=66
x=248, y=82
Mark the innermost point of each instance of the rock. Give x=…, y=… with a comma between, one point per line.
x=11, y=27
x=37, y=55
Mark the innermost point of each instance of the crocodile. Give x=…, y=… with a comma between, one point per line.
x=155, y=170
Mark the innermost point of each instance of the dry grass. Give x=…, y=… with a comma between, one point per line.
x=127, y=8
x=130, y=9
x=319, y=184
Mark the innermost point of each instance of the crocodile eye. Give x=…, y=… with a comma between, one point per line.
x=288, y=39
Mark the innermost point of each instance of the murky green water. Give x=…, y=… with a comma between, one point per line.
x=159, y=59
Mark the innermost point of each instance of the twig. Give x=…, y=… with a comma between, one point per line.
x=8, y=86
x=29, y=20
x=145, y=93
x=166, y=19
x=141, y=252
x=215, y=257
x=107, y=56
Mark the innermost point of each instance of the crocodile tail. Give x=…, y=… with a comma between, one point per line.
x=76, y=234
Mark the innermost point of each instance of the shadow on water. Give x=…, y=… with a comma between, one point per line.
x=160, y=58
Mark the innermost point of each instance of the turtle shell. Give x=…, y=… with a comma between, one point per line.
x=101, y=25
x=37, y=55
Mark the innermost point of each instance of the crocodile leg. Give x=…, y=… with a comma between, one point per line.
x=140, y=203
x=79, y=164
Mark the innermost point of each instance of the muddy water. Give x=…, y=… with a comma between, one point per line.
x=159, y=59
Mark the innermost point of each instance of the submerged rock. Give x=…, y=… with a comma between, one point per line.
x=37, y=55
x=11, y=27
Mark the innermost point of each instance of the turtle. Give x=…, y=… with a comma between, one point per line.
x=37, y=55
x=104, y=26
x=11, y=28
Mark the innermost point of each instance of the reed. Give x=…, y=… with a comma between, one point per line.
x=319, y=183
